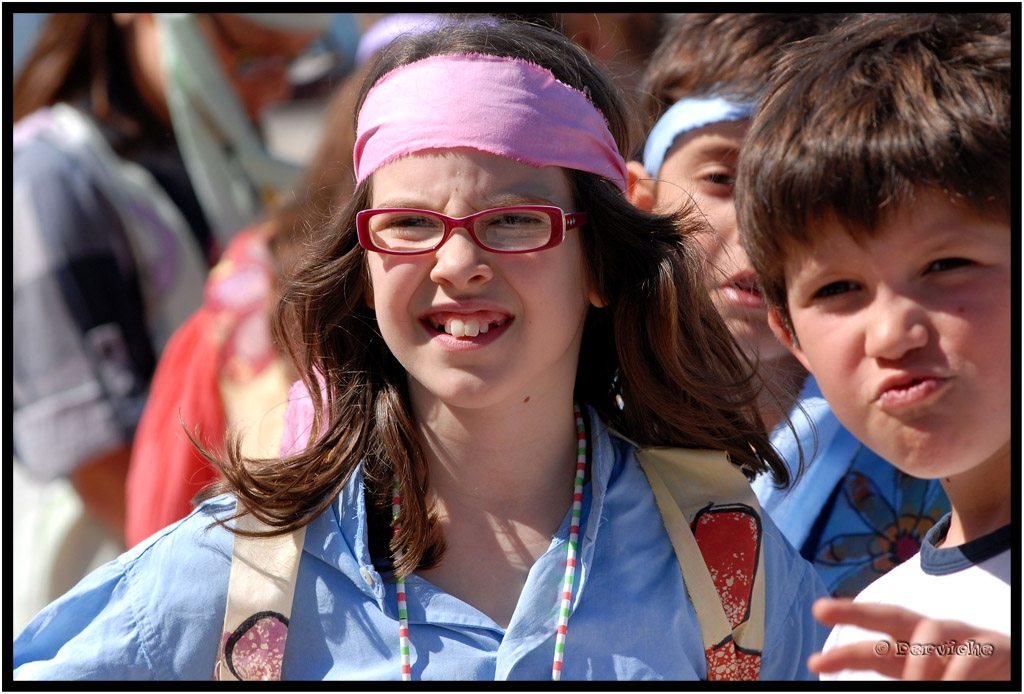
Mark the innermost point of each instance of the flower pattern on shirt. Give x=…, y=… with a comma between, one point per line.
x=894, y=527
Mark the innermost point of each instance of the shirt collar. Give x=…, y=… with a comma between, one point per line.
x=339, y=537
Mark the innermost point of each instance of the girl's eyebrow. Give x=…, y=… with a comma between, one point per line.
x=501, y=200
x=507, y=199
x=409, y=203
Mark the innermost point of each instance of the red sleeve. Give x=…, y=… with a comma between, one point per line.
x=166, y=471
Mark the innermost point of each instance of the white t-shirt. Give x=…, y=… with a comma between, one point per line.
x=969, y=583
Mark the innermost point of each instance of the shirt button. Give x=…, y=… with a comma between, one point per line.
x=367, y=576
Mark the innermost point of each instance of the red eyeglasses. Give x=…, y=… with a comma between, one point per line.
x=517, y=229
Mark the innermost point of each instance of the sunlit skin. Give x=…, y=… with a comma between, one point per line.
x=701, y=165
x=494, y=411
x=541, y=298
x=908, y=335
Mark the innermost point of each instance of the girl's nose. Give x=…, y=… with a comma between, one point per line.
x=459, y=262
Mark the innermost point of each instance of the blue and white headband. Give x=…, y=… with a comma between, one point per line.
x=686, y=115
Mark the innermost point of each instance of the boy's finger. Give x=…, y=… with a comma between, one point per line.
x=864, y=655
x=896, y=621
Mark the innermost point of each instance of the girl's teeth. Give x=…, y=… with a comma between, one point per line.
x=470, y=327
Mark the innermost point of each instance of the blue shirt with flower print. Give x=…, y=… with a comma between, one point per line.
x=853, y=515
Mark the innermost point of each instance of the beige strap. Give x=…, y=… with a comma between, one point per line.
x=702, y=487
x=259, y=603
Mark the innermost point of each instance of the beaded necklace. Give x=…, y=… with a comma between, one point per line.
x=570, y=561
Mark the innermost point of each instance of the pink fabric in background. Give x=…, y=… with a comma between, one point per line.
x=298, y=420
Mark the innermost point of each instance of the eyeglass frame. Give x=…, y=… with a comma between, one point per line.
x=570, y=220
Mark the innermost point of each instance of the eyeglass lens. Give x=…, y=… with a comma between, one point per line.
x=500, y=230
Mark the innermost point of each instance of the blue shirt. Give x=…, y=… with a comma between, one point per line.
x=851, y=513
x=157, y=612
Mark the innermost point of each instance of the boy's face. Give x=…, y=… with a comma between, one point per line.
x=908, y=334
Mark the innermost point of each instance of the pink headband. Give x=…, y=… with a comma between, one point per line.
x=505, y=106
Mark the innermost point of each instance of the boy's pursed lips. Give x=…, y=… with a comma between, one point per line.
x=907, y=389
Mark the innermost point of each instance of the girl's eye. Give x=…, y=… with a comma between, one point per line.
x=516, y=221
x=411, y=221
x=720, y=178
x=948, y=264
x=835, y=289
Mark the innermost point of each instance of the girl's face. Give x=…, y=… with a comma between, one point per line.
x=702, y=165
x=531, y=305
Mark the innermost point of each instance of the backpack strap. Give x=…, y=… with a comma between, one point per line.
x=710, y=512
x=259, y=603
x=714, y=522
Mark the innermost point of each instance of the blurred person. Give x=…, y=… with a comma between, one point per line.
x=136, y=157
x=622, y=41
x=222, y=370
x=380, y=29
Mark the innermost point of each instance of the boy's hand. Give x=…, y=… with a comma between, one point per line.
x=922, y=648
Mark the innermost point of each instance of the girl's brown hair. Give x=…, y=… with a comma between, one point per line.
x=658, y=364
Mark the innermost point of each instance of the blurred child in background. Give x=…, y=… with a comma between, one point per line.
x=136, y=157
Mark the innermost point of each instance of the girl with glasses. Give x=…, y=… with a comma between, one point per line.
x=520, y=445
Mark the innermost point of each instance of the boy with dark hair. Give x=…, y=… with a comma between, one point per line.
x=846, y=513
x=874, y=200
